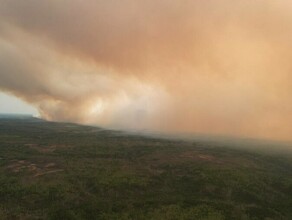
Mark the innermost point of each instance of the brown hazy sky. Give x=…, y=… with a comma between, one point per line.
x=202, y=66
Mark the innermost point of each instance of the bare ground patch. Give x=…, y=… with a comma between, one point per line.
x=34, y=169
x=193, y=155
x=45, y=149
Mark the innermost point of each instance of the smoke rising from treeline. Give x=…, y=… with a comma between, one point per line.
x=220, y=67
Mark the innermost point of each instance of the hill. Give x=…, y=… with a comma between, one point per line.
x=15, y=116
x=54, y=170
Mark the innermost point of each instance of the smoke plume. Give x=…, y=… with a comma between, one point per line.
x=218, y=67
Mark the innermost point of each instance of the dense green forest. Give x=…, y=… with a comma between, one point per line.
x=64, y=171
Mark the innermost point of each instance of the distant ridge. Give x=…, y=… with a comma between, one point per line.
x=15, y=116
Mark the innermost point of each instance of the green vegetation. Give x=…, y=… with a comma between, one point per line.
x=66, y=171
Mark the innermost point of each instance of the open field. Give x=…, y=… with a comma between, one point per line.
x=65, y=171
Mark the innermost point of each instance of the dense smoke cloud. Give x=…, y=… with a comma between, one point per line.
x=220, y=67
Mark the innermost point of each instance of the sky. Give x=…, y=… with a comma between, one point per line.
x=185, y=66
x=12, y=105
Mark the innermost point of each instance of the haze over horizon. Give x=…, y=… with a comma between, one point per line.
x=216, y=67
